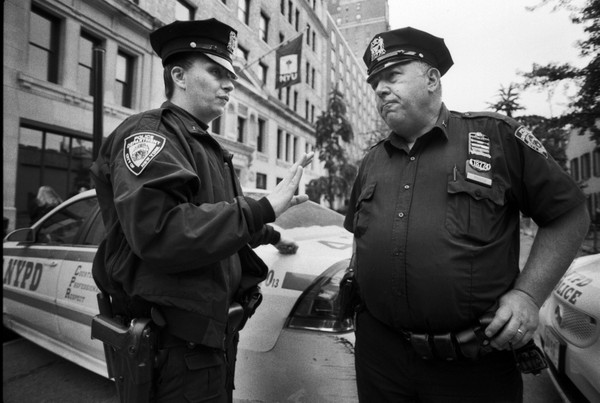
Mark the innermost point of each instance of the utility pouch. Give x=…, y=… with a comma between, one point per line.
x=131, y=352
x=530, y=359
x=349, y=296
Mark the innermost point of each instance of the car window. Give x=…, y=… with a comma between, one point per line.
x=64, y=225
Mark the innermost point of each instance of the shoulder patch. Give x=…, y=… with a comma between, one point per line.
x=525, y=135
x=141, y=148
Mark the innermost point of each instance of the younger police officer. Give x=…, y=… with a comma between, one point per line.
x=435, y=216
x=178, y=226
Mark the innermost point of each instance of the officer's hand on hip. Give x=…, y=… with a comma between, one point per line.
x=282, y=196
x=515, y=321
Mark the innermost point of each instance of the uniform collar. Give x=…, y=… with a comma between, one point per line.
x=440, y=128
x=192, y=124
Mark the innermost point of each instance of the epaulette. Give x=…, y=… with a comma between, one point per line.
x=493, y=115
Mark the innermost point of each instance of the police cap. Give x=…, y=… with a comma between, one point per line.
x=211, y=37
x=389, y=48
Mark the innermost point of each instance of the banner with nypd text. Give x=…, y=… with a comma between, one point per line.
x=288, y=63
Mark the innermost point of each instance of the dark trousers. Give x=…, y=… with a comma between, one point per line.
x=388, y=370
x=194, y=373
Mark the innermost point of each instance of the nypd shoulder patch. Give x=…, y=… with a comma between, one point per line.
x=530, y=140
x=141, y=148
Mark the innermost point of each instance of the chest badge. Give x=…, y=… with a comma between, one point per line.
x=141, y=148
x=479, y=163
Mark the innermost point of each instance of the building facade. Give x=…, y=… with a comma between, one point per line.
x=584, y=166
x=49, y=86
x=359, y=21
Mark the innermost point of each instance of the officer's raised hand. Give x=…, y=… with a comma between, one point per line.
x=282, y=196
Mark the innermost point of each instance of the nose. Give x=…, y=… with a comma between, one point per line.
x=227, y=84
x=381, y=88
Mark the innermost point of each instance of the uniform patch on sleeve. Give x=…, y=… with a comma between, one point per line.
x=141, y=148
x=530, y=140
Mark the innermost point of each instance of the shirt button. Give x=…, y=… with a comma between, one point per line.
x=401, y=215
x=412, y=158
x=406, y=186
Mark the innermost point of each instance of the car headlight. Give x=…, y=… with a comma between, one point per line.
x=318, y=308
x=575, y=326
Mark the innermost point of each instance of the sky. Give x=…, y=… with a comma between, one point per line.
x=491, y=41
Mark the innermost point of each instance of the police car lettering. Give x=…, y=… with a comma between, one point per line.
x=530, y=140
x=23, y=274
x=570, y=287
x=141, y=148
x=81, y=281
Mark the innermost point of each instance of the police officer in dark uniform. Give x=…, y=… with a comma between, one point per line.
x=179, y=230
x=435, y=216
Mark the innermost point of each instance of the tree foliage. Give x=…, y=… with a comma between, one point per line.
x=585, y=107
x=508, y=100
x=333, y=130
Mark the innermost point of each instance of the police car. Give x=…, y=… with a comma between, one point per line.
x=296, y=347
x=569, y=331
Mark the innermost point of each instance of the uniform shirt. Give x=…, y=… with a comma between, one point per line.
x=175, y=220
x=437, y=226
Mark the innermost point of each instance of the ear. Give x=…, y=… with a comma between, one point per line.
x=178, y=76
x=433, y=79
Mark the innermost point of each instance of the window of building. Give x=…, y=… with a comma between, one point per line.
x=312, y=77
x=295, y=149
x=297, y=20
x=85, y=71
x=288, y=143
x=241, y=129
x=261, y=181
x=574, y=168
x=586, y=169
x=295, y=105
x=263, y=28
x=243, y=11
x=183, y=11
x=43, y=45
x=314, y=41
x=281, y=37
x=263, y=70
x=215, y=126
x=307, y=79
x=308, y=34
x=242, y=52
x=124, y=80
x=596, y=162
x=280, y=144
x=290, y=11
x=261, y=135
x=50, y=158
x=282, y=7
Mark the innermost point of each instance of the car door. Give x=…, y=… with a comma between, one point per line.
x=76, y=301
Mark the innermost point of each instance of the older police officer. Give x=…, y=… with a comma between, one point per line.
x=178, y=226
x=435, y=216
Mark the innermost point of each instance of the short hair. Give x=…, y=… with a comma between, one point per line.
x=183, y=60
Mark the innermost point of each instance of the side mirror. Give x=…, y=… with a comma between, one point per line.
x=20, y=235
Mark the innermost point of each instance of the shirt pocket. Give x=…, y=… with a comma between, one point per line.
x=475, y=212
x=364, y=208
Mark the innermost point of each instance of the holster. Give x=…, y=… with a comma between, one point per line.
x=130, y=350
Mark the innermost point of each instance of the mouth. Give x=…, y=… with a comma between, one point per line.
x=224, y=98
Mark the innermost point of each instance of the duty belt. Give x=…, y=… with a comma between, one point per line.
x=470, y=343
